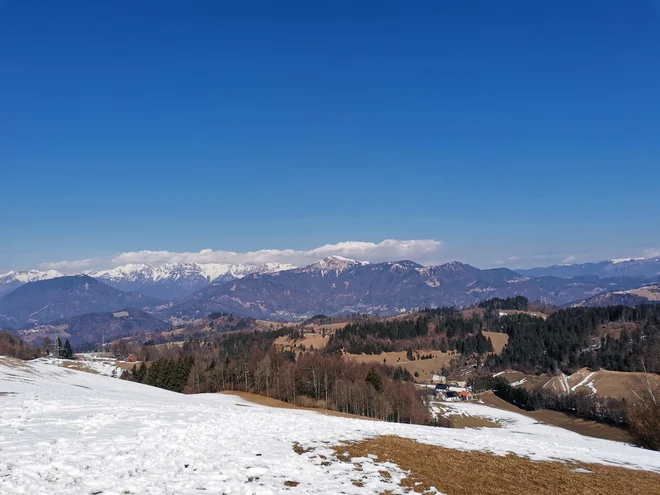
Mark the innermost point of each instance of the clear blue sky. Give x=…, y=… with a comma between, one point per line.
x=527, y=130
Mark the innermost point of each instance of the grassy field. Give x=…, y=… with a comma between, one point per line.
x=309, y=340
x=605, y=383
x=499, y=340
x=459, y=472
x=426, y=368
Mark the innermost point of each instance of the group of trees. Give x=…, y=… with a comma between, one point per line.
x=63, y=351
x=170, y=374
x=573, y=338
x=444, y=330
x=518, y=303
x=248, y=361
x=12, y=346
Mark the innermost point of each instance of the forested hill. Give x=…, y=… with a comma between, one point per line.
x=443, y=329
x=446, y=331
x=618, y=338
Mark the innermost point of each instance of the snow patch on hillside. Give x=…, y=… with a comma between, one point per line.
x=65, y=431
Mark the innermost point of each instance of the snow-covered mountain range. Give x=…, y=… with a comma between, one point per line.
x=174, y=280
x=163, y=281
x=337, y=285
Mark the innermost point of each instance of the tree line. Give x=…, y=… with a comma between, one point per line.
x=249, y=362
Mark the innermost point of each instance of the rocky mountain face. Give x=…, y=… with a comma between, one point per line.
x=339, y=286
x=644, y=268
x=88, y=330
x=47, y=300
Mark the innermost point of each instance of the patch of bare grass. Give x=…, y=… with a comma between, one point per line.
x=472, y=472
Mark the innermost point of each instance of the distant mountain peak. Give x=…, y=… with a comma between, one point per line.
x=333, y=263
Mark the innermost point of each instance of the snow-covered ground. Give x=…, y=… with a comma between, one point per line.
x=95, y=362
x=67, y=432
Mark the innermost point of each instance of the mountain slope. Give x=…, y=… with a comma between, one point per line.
x=47, y=300
x=175, y=280
x=338, y=286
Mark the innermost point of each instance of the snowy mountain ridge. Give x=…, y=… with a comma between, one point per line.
x=28, y=276
x=175, y=271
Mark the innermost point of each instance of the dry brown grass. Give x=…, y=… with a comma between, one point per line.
x=309, y=340
x=607, y=383
x=78, y=366
x=463, y=421
x=620, y=383
x=425, y=367
x=458, y=472
x=498, y=339
x=12, y=362
x=270, y=402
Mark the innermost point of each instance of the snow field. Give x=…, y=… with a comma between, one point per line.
x=64, y=431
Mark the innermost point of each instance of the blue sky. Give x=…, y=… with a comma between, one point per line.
x=522, y=133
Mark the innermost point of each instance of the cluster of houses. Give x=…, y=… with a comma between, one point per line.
x=450, y=391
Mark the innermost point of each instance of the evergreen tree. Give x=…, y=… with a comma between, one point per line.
x=68, y=350
x=374, y=379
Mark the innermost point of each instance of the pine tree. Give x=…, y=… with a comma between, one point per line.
x=58, y=348
x=68, y=350
x=374, y=379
